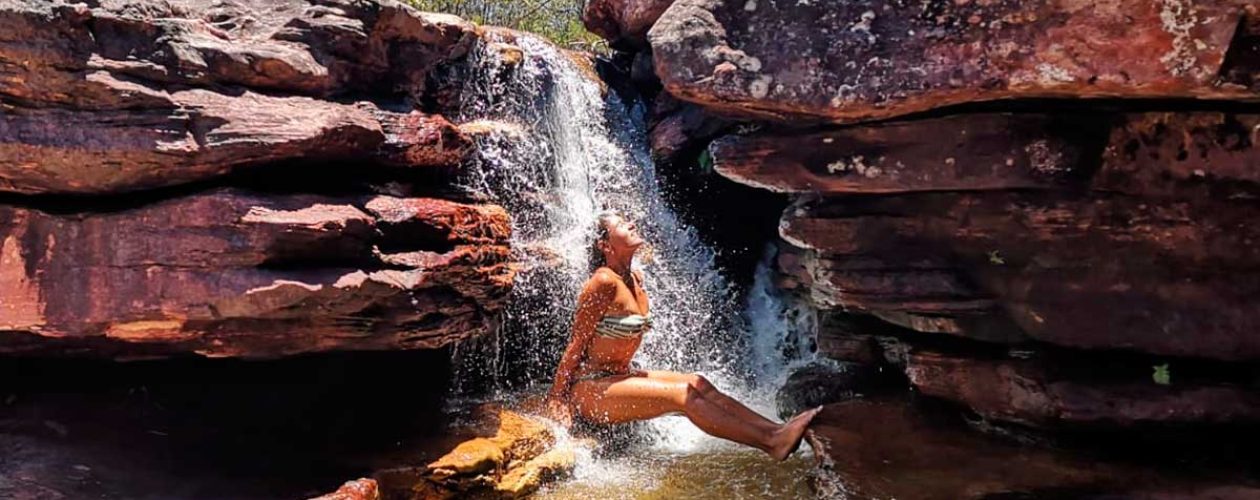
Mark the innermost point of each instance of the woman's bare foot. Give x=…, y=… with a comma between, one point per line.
x=788, y=438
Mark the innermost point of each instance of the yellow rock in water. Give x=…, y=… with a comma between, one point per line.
x=509, y=455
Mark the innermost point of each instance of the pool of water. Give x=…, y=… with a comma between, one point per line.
x=719, y=472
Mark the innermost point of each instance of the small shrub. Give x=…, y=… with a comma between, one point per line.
x=558, y=20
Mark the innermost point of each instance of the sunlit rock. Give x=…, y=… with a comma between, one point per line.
x=127, y=96
x=853, y=61
x=228, y=273
x=359, y=489
x=625, y=23
x=508, y=454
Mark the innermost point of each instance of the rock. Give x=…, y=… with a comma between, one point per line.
x=821, y=383
x=878, y=449
x=625, y=23
x=358, y=489
x=679, y=128
x=767, y=58
x=849, y=338
x=55, y=54
x=128, y=96
x=208, y=135
x=510, y=455
x=1096, y=271
x=1038, y=393
x=961, y=152
x=1188, y=155
x=417, y=139
x=228, y=273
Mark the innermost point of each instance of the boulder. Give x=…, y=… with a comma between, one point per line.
x=625, y=23
x=1092, y=271
x=957, y=153
x=854, y=61
x=358, y=489
x=231, y=273
x=883, y=449
x=81, y=56
x=207, y=135
x=507, y=454
x=819, y=383
x=679, y=128
x=125, y=96
x=1036, y=392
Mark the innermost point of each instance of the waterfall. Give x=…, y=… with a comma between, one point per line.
x=555, y=149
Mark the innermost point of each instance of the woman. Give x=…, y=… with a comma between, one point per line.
x=595, y=380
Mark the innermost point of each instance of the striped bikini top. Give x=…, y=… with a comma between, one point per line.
x=623, y=327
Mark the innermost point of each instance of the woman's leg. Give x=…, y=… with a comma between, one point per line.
x=785, y=439
x=627, y=398
x=727, y=402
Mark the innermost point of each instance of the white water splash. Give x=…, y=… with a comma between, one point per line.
x=555, y=151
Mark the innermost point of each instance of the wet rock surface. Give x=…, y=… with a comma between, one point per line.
x=886, y=449
x=359, y=489
x=195, y=428
x=504, y=453
x=852, y=61
x=821, y=383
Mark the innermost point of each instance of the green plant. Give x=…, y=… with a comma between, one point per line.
x=1162, y=375
x=995, y=258
x=558, y=20
x=705, y=161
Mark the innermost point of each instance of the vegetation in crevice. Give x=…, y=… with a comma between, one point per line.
x=558, y=20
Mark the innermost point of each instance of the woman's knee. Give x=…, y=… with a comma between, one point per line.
x=696, y=382
x=695, y=387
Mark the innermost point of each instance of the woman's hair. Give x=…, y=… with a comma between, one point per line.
x=601, y=234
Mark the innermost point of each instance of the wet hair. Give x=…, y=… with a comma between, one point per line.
x=601, y=234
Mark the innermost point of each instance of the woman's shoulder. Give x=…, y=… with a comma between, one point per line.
x=604, y=277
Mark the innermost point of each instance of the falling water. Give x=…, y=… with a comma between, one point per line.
x=555, y=149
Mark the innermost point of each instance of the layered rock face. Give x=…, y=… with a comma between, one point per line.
x=848, y=61
x=224, y=273
x=133, y=136
x=990, y=195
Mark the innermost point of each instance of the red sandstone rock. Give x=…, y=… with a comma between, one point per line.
x=1030, y=392
x=1172, y=277
x=203, y=134
x=623, y=22
x=127, y=96
x=888, y=450
x=965, y=152
x=358, y=489
x=53, y=53
x=851, y=61
x=1189, y=155
x=680, y=127
x=419, y=139
x=226, y=273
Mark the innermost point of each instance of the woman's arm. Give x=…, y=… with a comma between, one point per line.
x=593, y=302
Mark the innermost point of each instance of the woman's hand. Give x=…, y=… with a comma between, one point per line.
x=559, y=411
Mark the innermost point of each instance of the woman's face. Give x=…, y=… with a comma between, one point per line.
x=623, y=235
